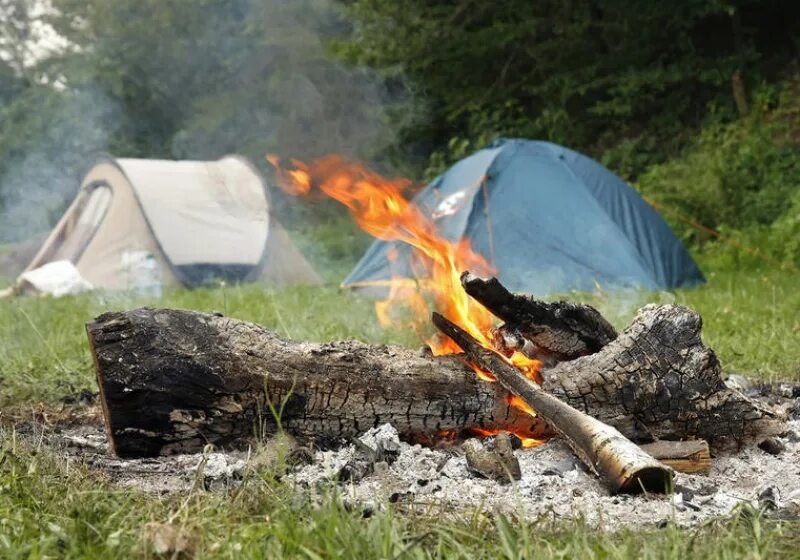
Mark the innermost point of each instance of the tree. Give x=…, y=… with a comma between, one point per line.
x=608, y=76
x=186, y=80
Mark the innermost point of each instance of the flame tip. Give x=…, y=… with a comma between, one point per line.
x=441, y=267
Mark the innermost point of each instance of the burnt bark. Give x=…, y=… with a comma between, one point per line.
x=621, y=464
x=657, y=380
x=172, y=381
x=551, y=332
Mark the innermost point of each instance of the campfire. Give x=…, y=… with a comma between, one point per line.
x=632, y=406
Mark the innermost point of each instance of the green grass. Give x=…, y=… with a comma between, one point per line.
x=751, y=320
x=49, y=507
x=52, y=509
x=44, y=352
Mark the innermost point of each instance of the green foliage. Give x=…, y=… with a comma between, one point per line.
x=593, y=76
x=740, y=177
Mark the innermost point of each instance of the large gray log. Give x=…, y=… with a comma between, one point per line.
x=657, y=380
x=171, y=381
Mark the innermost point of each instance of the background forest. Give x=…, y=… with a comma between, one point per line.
x=697, y=103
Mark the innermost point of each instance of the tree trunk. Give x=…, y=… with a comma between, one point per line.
x=171, y=381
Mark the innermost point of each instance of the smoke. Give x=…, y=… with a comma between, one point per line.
x=183, y=80
x=42, y=165
x=620, y=306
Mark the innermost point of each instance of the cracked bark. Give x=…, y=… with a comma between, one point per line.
x=172, y=381
x=657, y=380
x=622, y=465
x=550, y=332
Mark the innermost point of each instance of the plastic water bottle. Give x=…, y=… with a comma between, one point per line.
x=147, y=278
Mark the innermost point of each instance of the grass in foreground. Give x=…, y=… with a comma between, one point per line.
x=49, y=508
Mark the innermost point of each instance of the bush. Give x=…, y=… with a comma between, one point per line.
x=741, y=178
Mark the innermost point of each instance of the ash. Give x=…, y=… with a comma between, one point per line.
x=555, y=485
x=379, y=471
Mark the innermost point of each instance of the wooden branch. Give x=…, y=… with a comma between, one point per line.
x=172, y=381
x=622, y=465
x=692, y=456
x=557, y=331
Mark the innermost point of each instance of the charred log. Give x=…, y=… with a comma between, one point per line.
x=622, y=465
x=657, y=380
x=551, y=332
x=171, y=381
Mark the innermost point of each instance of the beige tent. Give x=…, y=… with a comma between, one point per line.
x=199, y=220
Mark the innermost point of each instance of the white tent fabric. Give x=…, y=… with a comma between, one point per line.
x=57, y=278
x=202, y=212
x=198, y=220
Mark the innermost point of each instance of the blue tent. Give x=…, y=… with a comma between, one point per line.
x=548, y=219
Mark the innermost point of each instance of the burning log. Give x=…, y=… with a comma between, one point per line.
x=619, y=462
x=656, y=380
x=551, y=332
x=171, y=381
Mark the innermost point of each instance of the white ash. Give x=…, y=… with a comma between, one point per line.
x=554, y=484
x=211, y=471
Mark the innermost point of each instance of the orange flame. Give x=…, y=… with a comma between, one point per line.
x=527, y=442
x=521, y=405
x=378, y=206
x=529, y=366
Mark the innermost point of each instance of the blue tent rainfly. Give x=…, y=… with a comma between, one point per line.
x=548, y=220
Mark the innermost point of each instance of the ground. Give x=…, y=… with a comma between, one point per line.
x=54, y=506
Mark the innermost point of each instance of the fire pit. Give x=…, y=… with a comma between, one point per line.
x=631, y=406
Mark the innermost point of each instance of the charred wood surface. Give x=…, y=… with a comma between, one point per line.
x=692, y=456
x=620, y=463
x=172, y=381
x=555, y=331
x=657, y=380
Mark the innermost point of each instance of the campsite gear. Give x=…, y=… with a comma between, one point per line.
x=57, y=278
x=547, y=219
x=147, y=276
x=192, y=222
